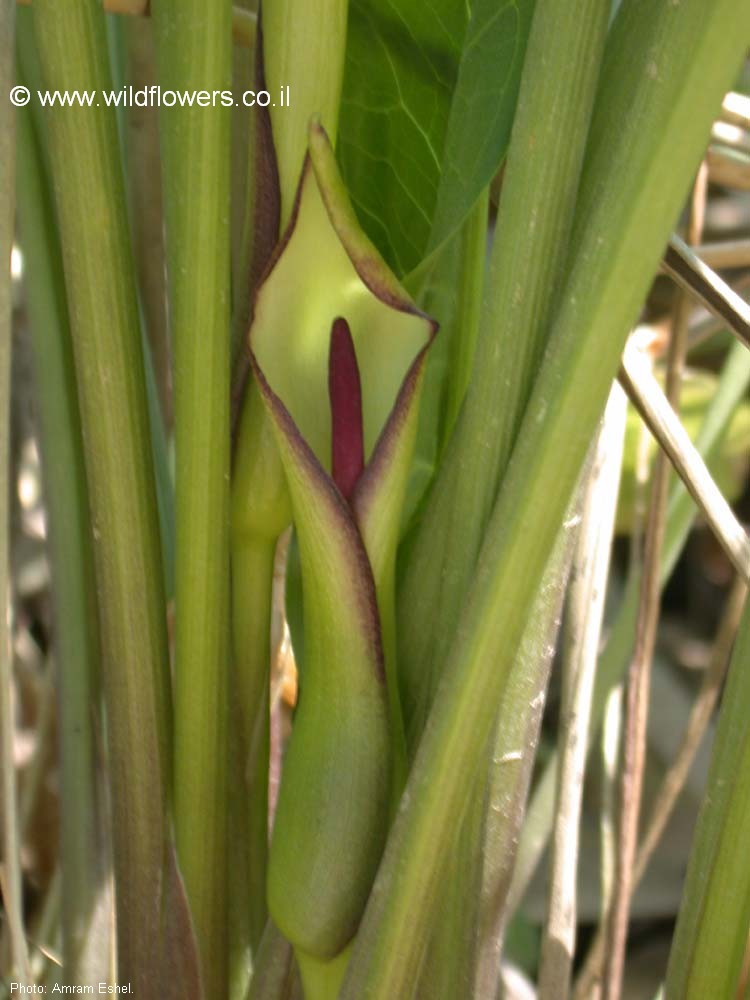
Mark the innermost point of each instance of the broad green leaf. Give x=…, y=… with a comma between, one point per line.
x=483, y=107
x=429, y=95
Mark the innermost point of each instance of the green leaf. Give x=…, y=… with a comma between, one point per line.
x=483, y=107
x=428, y=101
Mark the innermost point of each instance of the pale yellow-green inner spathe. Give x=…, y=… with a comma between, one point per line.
x=312, y=284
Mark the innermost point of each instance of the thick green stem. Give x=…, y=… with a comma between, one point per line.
x=193, y=42
x=103, y=310
x=464, y=958
x=76, y=632
x=243, y=194
x=303, y=48
x=666, y=71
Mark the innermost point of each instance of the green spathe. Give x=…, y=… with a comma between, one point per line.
x=347, y=739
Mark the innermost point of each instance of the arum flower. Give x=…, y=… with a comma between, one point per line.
x=338, y=353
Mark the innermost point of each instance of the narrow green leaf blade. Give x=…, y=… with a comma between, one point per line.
x=712, y=927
